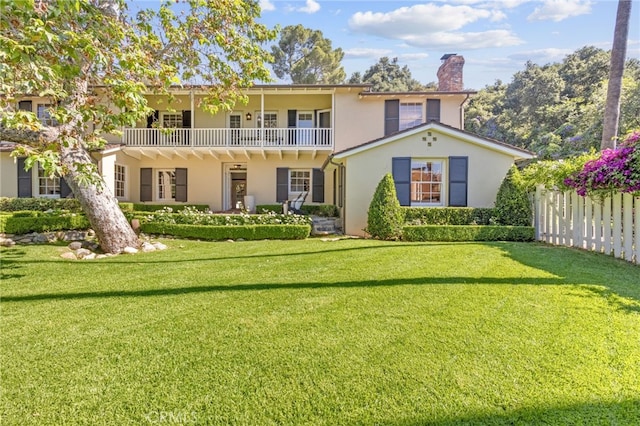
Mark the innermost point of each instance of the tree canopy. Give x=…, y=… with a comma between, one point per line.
x=94, y=62
x=386, y=75
x=556, y=109
x=305, y=56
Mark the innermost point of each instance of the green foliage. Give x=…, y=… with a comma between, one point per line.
x=385, y=216
x=306, y=57
x=192, y=216
x=449, y=215
x=513, y=205
x=555, y=110
x=387, y=76
x=142, y=207
x=27, y=222
x=246, y=232
x=324, y=210
x=467, y=233
x=552, y=174
x=8, y=204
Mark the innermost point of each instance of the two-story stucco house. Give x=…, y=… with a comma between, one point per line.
x=333, y=142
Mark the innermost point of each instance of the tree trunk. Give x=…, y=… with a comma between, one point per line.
x=100, y=206
x=618, y=54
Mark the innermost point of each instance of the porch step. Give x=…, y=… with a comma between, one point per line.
x=326, y=225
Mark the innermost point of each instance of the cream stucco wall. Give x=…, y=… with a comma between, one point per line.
x=365, y=169
x=206, y=176
x=360, y=119
x=8, y=176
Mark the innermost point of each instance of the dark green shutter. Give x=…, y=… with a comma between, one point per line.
x=292, y=121
x=458, y=177
x=433, y=110
x=146, y=184
x=24, y=180
x=25, y=106
x=65, y=190
x=186, y=124
x=391, y=116
x=282, y=184
x=317, y=195
x=181, y=185
x=401, y=171
x=153, y=118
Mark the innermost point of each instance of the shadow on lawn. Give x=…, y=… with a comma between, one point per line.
x=626, y=412
x=611, y=277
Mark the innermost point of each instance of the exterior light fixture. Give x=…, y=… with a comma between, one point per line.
x=248, y=116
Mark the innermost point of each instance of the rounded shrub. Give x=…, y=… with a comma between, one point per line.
x=385, y=216
x=513, y=206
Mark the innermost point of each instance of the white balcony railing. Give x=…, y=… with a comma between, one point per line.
x=230, y=138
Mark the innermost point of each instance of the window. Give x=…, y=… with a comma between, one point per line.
x=42, y=112
x=299, y=181
x=172, y=120
x=166, y=184
x=410, y=115
x=433, y=110
x=270, y=120
x=235, y=121
x=119, y=181
x=48, y=186
x=426, y=182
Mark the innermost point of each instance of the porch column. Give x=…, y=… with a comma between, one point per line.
x=107, y=165
x=262, y=115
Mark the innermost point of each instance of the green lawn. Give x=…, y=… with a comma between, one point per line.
x=314, y=332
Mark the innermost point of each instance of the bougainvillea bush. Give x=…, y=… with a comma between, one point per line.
x=614, y=170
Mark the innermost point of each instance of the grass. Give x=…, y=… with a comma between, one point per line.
x=314, y=332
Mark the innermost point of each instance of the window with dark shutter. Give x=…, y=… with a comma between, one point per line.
x=292, y=117
x=391, y=116
x=25, y=188
x=317, y=195
x=401, y=171
x=282, y=184
x=181, y=185
x=25, y=106
x=458, y=177
x=146, y=184
x=65, y=190
x=433, y=110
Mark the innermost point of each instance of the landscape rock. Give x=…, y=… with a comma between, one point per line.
x=90, y=256
x=75, y=245
x=82, y=253
x=147, y=247
x=68, y=255
x=6, y=242
x=130, y=250
x=159, y=246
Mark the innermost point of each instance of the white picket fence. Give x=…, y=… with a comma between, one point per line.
x=610, y=226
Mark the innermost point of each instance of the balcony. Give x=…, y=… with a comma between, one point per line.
x=268, y=139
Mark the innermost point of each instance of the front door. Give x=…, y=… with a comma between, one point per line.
x=238, y=189
x=305, y=126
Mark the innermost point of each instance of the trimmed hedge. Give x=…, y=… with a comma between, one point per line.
x=8, y=204
x=449, y=215
x=247, y=232
x=467, y=233
x=141, y=207
x=325, y=210
x=23, y=224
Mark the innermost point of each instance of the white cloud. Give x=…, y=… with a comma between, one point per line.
x=267, y=6
x=541, y=56
x=434, y=26
x=410, y=57
x=558, y=10
x=365, y=52
x=311, y=6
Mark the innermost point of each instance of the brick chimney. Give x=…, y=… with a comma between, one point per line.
x=450, y=73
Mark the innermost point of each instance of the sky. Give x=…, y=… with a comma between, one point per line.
x=496, y=37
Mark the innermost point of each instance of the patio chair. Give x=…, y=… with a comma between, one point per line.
x=296, y=205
